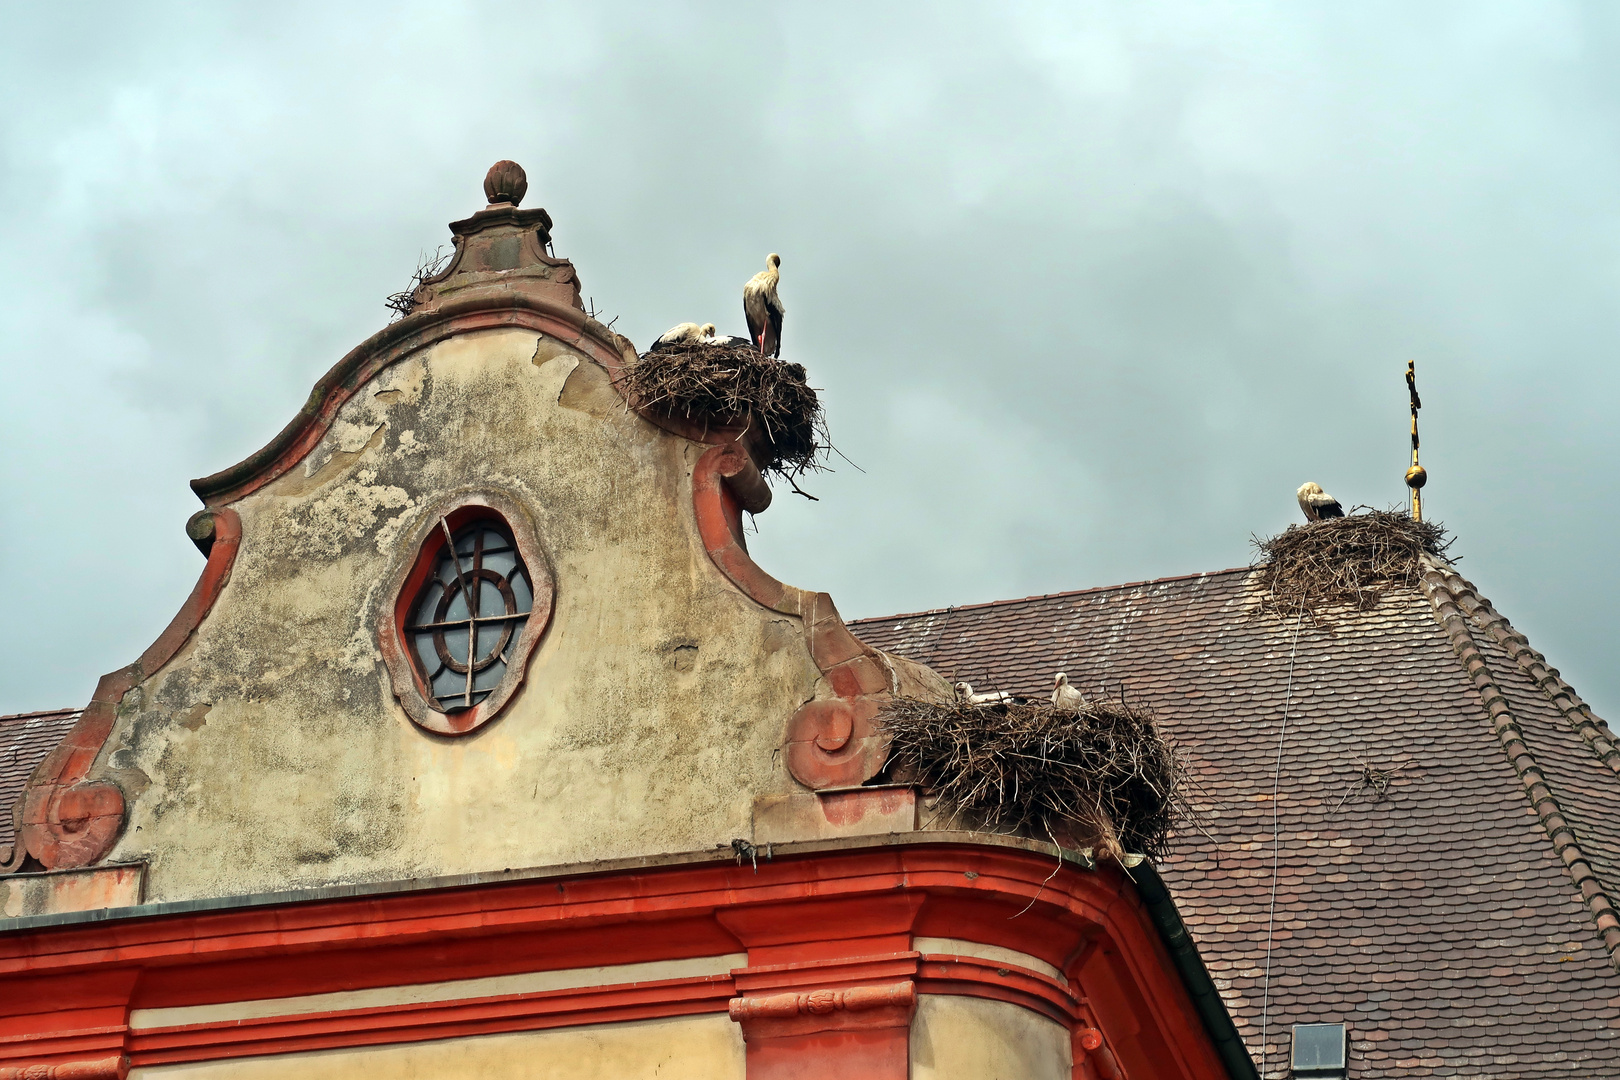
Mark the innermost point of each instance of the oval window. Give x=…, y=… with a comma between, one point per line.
x=467, y=615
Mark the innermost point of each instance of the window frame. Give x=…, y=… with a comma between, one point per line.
x=423, y=550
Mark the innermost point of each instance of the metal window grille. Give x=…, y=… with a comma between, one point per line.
x=469, y=613
x=1319, y=1051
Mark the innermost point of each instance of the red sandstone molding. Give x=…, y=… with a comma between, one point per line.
x=858, y=1032
x=67, y=820
x=831, y=741
x=840, y=922
x=1445, y=590
x=822, y=1002
x=110, y=1068
x=1092, y=1058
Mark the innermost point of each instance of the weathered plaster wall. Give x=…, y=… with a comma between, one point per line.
x=71, y=890
x=688, y=1048
x=270, y=754
x=962, y=1038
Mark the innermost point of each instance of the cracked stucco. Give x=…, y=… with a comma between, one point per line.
x=653, y=707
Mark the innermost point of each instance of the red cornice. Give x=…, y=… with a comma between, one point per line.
x=421, y=1021
x=813, y=924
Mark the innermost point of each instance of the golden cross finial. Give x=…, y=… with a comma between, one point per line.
x=1416, y=476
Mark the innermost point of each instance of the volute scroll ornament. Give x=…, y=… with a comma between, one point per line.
x=831, y=740
x=66, y=819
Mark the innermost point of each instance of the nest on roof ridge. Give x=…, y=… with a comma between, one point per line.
x=1350, y=561
x=721, y=385
x=1102, y=776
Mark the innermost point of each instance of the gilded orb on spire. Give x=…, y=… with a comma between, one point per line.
x=1416, y=475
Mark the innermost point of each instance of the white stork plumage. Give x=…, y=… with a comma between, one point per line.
x=763, y=308
x=965, y=694
x=1064, y=696
x=1317, y=503
x=681, y=333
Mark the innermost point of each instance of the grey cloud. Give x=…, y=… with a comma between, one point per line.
x=1091, y=288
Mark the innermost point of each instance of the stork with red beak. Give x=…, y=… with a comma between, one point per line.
x=763, y=308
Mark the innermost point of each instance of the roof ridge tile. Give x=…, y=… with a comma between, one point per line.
x=984, y=604
x=1587, y=724
x=1437, y=583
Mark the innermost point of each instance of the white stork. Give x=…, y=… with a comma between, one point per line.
x=965, y=694
x=681, y=333
x=1317, y=503
x=763, y=308
x=1064, y=696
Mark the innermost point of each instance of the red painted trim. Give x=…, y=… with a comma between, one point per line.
x=417, y=1022
x=823, y=1002
x=107, y=1068
x=831, y=742
x=971, y=976
x=825, y=922
x=67, y=820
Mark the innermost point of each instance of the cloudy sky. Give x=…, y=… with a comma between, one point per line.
x=1090, y=287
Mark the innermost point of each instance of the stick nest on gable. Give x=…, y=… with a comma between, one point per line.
x=722, y=385
x=1351, y=561
x=1102, y=776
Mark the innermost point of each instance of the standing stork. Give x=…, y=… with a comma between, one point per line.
x=1318, y=504
x=763, y=308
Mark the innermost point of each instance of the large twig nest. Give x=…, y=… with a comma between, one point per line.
x=723, y=385
x=1102, y=776
x=1350, y=561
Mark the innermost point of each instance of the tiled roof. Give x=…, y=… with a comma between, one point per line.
x=25, y=739
x=1461, y=920
x=1456, y=921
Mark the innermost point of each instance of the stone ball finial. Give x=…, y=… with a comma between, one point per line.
x=505, y=182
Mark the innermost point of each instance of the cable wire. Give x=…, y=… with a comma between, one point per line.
x=1276, y=844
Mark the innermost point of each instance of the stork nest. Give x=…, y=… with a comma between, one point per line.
x=1103, y=775
x=1350, y=561
x=724, y=385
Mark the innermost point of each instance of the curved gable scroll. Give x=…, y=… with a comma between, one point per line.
x=832, y=740
x=487, y=309
x=451, y=637
x=65, y=819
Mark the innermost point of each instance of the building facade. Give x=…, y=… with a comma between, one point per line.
x=483, y=748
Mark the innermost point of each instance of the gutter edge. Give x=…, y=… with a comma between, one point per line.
x=1218, y=1025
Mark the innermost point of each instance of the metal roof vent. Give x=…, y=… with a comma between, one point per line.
x=1319, y=1051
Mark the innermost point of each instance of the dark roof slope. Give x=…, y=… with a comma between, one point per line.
x=25, y=739
x=1447, y=819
